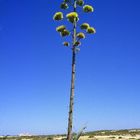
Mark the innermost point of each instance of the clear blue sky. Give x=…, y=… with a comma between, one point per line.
x=35, y=69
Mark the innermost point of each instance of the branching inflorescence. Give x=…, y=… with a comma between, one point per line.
x=74, y=17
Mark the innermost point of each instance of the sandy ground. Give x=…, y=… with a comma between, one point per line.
x=110, y=137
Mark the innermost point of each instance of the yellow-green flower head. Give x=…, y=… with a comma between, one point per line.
x=91, y=30
x=60, y=28
x=88, y=8
x=64, y=33
x=80, y=2
x=67, y=1
x=58, y=16
x=73, y=16
x=77, y=43
x=84, y=26
x=64, y=5
x=81, y=35
x=66, y=44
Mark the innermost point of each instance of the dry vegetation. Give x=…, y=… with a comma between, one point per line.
x=133, y=134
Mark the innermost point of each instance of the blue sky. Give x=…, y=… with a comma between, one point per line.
x=35, y=69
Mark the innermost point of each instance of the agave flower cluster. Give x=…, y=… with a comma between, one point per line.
x=73, y=17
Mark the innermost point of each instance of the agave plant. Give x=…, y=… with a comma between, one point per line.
x=77, y=33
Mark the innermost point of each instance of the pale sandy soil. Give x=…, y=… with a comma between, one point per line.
x=110, y=137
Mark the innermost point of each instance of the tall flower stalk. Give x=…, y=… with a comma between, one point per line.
x=77, y=36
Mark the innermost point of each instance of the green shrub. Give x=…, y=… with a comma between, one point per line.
x=50, y=138
x=112, y=137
